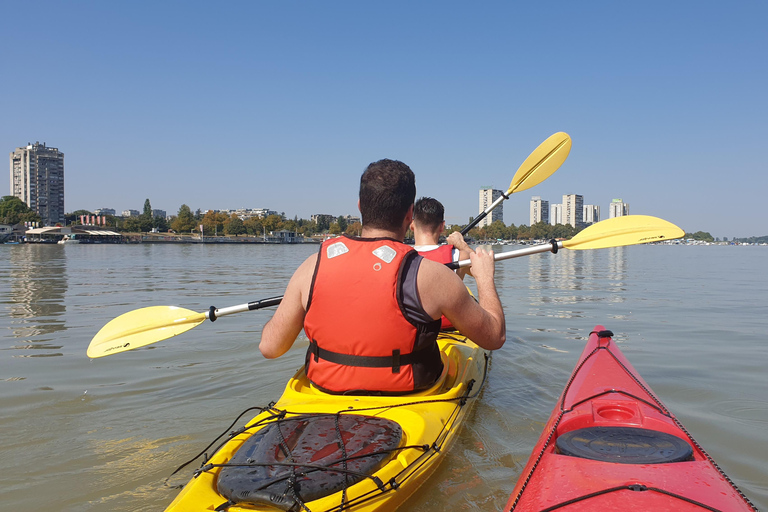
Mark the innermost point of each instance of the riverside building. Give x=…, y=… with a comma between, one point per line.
x=539, y=210
x=573, y=210
x=37, y=178
x=591, y=214
x=618, y=208
x=556, y=214
x=487, y=196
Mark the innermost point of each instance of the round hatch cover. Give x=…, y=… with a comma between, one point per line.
x=624, y=445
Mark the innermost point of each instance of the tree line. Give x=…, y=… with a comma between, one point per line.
x=218, y=224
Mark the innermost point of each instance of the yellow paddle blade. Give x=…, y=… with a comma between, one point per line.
x=142, y=327
x=626, y=230
x=542, y=163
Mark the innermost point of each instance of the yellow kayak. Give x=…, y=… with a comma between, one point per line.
x=315, y=452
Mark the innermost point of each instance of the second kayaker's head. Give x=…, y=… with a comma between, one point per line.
x=387, y=192
x=428, y=218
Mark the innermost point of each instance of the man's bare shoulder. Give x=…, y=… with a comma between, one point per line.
x=306, y=269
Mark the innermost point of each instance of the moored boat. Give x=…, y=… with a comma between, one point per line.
x=321, y=452
x=611, y=444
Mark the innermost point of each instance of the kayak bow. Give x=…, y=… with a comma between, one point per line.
x=321, y=452
x=611, y=444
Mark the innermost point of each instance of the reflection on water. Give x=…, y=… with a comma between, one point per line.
x=34, y=301
x=558, y=282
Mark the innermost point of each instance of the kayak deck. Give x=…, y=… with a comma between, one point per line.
x=611, y=444
x=429, y=420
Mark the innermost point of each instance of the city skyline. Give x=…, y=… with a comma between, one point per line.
x=206, y=111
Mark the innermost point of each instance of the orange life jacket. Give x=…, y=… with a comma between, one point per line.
x=442, y=254
x=361, y=339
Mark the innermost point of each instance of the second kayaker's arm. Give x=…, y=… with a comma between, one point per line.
x=442, y=292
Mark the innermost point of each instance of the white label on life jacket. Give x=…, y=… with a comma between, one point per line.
x=336, y=249
x=385, y=253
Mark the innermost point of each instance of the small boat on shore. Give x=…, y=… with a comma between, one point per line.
x=69, y=239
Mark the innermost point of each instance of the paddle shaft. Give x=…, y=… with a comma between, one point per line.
x=551, y=246
x=213, y=313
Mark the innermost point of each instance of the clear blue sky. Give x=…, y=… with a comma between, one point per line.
x=281, y=105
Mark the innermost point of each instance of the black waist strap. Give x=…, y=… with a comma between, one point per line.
x=395, y=361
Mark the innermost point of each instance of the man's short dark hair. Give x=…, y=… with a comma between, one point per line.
x=387, y=191
x=428, y=213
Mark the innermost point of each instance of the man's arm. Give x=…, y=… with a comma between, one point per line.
x=456, y=239
x=442, y=293
x=281, y=331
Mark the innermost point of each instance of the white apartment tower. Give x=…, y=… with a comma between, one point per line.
x=556, y=214
x=618, y=208
x=487, y=196
x=37, y=178
x=539, y=210
x=573, y=210
x=591, y=213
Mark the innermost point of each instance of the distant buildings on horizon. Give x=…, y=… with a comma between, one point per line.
x=572, y=211
x=37, y=178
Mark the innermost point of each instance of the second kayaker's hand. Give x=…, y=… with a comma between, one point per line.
x=483, y=265
x=456, y=239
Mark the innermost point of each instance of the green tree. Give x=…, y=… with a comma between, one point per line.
x=497, y=230
x=184, y=221
x=323, y=223
x=234, y=226
x=253, y=226
x=213, y=223
x=147, y=209
x=160, y=223
x=342, y=222
x=272, y=222
x=13, y=210
x=132, y=225
x=354, y=229
x=334, y=229
x=700, y=235
x=290, y=225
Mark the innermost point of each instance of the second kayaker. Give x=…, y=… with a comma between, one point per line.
x=428, y=225
x=371, y=306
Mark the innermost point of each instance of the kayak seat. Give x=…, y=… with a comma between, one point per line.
x=266, y=469
x=624, y=445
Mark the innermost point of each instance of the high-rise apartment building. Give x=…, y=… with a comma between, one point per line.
x=487, y=196
x=539, y=210
x=556, y=214
x=618, y=208
x=591, y=214
x=37, y=178
x=573, y=210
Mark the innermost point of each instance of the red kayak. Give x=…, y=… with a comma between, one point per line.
x=610, y=444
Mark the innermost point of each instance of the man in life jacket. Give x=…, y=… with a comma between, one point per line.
x=371, y=306
x=428, y=225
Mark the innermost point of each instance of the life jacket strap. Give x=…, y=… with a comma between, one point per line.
x=395, y=361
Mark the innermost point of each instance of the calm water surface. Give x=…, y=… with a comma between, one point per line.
x=103, y=435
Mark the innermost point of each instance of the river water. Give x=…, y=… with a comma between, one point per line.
x=103, y=435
